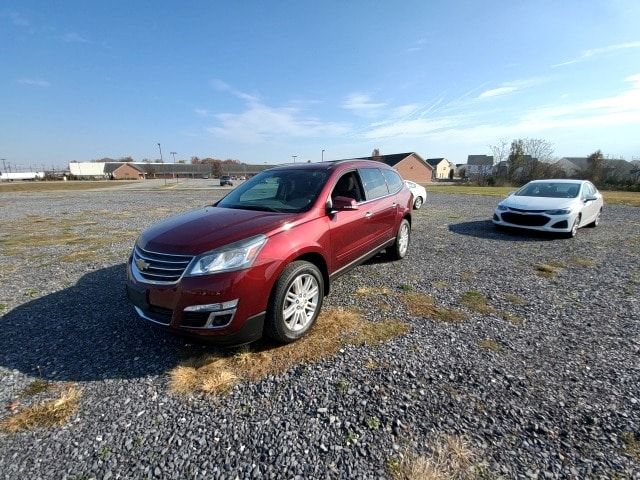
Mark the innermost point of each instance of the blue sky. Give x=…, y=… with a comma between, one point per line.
x=262, y=81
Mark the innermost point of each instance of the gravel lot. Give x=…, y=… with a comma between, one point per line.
x=556, y=398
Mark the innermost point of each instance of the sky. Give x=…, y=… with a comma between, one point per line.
x=264, y=81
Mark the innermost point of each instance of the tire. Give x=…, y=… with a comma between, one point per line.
x=287, y=320
x=596, y=221
x=574, y=229
x=400, y=247
x=417, y=203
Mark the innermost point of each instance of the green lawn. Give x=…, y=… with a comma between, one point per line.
x=624, y=198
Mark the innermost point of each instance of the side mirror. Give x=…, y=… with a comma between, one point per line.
x=591, y=198
x=344, y=203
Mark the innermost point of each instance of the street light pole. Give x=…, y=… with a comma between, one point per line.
x=162, y=161
x=294, y=158
x=174, y=164
x=323, y=154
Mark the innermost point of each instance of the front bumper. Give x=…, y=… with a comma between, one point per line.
x=236, y=304
x=540, y=222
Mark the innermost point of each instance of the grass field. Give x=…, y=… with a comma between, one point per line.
x=54, y=186
x=624, y=198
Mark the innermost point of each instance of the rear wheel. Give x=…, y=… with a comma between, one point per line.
x=399, y=249
x=295, y=302
x=418, y=203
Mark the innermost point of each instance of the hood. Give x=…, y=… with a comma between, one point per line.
x=538, y=203
x=204, y=229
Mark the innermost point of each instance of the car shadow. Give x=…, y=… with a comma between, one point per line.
x=88, y=331
x=486, y=229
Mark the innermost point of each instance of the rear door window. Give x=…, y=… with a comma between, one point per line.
x=374, y=183
x=394, y=182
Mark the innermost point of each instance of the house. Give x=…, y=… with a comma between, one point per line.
x=479, y=165
x=124, y=171
x=615, y=170
x=410, y=166
x=443, y=169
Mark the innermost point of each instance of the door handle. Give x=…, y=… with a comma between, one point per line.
x=368, y=214
x=394, y=204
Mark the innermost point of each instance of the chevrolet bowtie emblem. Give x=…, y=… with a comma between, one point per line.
x=141, y=264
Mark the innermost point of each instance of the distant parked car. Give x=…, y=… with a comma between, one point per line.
x=205, y=176
x=419, y=194
x=225, y=180
x=262, y=259
x=560, y=206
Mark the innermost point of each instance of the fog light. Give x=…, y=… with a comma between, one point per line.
x=212, y=307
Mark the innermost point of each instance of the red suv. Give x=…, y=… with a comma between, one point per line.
x=260, y=261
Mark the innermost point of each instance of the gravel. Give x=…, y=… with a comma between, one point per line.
x=555, y=401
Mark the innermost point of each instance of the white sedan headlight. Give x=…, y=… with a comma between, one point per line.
x=502, y=208
x=235, y=256
x=561, y=211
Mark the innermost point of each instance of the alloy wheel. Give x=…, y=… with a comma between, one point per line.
x=403, y=239
x=300, y=302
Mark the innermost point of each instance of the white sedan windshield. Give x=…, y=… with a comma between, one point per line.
x=550, y=190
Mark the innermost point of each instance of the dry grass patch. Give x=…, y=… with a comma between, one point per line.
x=515, y=299
x=477, y=302
x=490, y=344
x=467, y=275
x=582, y=262
x=548, y=270
x=423, y=305
x=48, y=413
x=631, y=445
x=333, y=329
x=37, y=386
x=55, y=186
x=511, y=318
x=451, y=458
x=372, y=291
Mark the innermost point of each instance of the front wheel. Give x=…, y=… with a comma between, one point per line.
x=574, y=228
x=596, y=221
x=399, y=249
x=295, y=302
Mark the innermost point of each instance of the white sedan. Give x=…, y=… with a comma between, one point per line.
x=419, y=194
x=560, y=206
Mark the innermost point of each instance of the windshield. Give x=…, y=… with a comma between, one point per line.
x=549, y=190
x=284, y=191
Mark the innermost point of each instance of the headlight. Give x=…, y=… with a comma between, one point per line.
x=562, y=211
x=502, y=208
x=235, y=256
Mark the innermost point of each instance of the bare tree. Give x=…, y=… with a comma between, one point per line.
x=500, y=151
x=375, y=155
x=538, y=148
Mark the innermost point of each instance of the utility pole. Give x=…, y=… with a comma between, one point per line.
x=174, y=164
x=323, y=155
x=4, y=165
x=294, y=158
x=162, y=161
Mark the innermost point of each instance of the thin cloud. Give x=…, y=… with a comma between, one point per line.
x=362, y=104
x=225, y=87
x=19, y=20
x=202, y=112
x=510, y=87
x=73, y=37
x=33, y=82
x=260, y=122
x=597, y=52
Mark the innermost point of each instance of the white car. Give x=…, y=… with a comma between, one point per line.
x=560, y=206
x=419, y=194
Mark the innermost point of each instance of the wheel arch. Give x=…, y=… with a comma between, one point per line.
x=318, y=260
